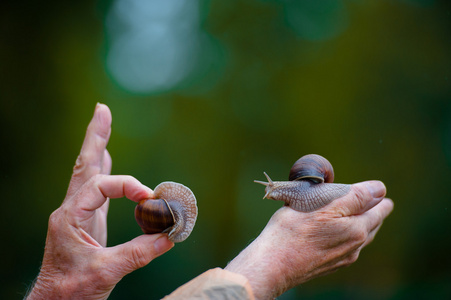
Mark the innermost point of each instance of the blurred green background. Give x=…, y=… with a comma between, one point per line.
x=213, y=93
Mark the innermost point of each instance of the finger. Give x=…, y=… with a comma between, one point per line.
x=106, y=170
x=371, y=236
x=91, y=158
x=372, y=220
x=100, y=187
x=375, y=216
x=363, y=196
x=107, y=163
x=138, y=252
x=105, y=206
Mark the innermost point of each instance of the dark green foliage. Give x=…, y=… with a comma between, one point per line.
x=367, y=84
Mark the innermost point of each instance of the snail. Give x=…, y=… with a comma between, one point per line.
x=173, y=210
x=309, y=187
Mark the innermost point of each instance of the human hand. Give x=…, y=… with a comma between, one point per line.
x=77, y=264
x=295, y=247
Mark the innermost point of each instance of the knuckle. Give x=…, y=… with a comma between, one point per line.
x=54, y=221
x=79, y=164
x=352, y=258
x=360, y=191
x=96, y=179
x=98, y=133
x=139, y=258
x=358, y=237
x=84, y=160
x=360, y=195
x=129, y=178
x=369, y=239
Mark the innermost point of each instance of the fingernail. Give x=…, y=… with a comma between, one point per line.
x=162, y=244
x=376, y=188
x=96, y=109
x=98, y=104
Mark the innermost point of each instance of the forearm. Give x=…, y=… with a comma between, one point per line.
x=214, y=284
x=263, y=272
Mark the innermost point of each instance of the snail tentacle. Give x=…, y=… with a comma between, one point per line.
x=268, y=184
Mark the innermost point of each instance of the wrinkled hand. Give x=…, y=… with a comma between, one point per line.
x=77, y=264
x=295, y=247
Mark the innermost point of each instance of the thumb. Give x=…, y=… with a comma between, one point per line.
x=139, y=252
x=364, y=196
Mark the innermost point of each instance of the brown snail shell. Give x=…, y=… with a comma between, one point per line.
x=313, y=167
x=154, y=215
x=173, y=211
x=310, y=186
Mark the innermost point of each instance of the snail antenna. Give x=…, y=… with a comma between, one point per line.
x=261, y=182
x=269, y=179
x=269, y=183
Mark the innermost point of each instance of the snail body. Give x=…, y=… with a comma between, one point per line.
x=173, y=211
x=309, y=187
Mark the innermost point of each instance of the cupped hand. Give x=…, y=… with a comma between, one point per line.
x=77, y=264
x=295, y=247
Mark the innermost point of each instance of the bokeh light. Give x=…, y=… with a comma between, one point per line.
x=155, y=45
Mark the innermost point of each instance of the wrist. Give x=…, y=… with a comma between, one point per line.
x=64, y=286
x=259, y=264
x=47, y=288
